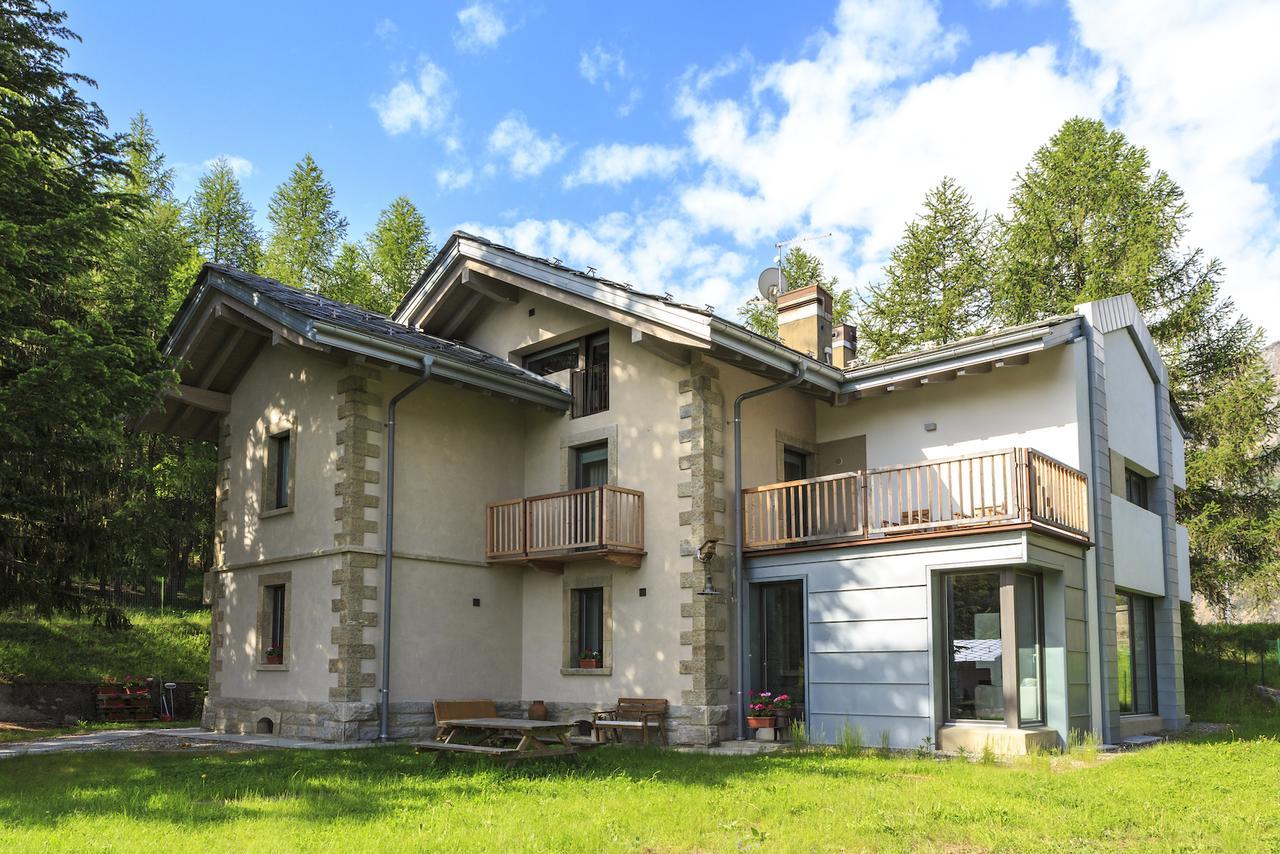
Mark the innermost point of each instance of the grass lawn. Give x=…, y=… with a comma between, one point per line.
x=172, y=646
x=1215, y=793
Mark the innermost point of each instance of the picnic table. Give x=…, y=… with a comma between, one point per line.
x=492, y=737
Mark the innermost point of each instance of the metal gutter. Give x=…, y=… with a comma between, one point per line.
x=445, y=368
x=779, y=356
x=388, y=550
x=800, y=369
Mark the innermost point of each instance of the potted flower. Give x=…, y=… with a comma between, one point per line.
x=782, y=708
x=760, y=711
x=108, y=687
x=589, y=659
x=275, y=655
x=135, y=685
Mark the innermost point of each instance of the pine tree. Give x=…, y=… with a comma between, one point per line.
x=221, y=220
x=799, y=269
x=937, y=281
x=399, y=250
x=306, y=229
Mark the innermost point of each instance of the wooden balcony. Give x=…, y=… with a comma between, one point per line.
x=1019, y=487
x=547, y=531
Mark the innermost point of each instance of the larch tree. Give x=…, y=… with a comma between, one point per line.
x=400, y=249
x=1090, y=218
x=350, y=279
x=221, y=220
x=937, y=283
x=306, y=228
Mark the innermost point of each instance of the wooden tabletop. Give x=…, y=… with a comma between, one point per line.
x=518, y=724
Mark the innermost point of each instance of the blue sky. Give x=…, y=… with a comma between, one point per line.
x=671, y=144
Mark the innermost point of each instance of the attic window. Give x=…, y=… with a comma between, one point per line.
x=562, y=358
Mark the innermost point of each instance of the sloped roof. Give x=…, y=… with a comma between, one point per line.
x=329, y=311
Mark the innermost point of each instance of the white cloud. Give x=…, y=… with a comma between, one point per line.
x=527, y=153
x=424, y=103
x=481, y=28
x=385, y=28
x=241, y=167
x=848, y=137
x=453, y=179
x=601, y=66
x=618, y=164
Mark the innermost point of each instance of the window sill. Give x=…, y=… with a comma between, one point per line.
x=586, y=671
x=276, y=667
x=279, y=511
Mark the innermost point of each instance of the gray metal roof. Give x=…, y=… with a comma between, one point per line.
x=328, y=311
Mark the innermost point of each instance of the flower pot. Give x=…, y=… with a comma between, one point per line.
x=275, y=659
x=759, y=723
x=588, y=663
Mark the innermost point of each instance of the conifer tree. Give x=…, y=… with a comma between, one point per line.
x=221, y=219
x=937, y=281
x=306, y=228
x=350, y=280
x=399, y=250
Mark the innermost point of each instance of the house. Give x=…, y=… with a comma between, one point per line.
x=974, y=544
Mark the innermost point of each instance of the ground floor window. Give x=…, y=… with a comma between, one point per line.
x=995, y=647
x=273, y=618
x=1135, y=640
x=589, y=603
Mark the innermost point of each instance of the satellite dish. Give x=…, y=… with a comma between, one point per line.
x=771, y=283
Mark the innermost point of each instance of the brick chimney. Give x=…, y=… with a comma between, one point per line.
x=804, y=321
x=844, y=345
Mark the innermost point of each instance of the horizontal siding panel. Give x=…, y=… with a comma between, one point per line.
x=889, y=603
x=870, y=636
x=901, y=668
x=858, y=573
x=903, y=732
x=874, y=700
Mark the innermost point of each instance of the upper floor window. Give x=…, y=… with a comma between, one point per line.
x=587, y=361
x=277, y=481
x=591, y=465
x=1135, y=489
x=795, y=464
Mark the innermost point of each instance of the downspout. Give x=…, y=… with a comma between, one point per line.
x=1090, y=375
x=737, y=536
x=389, y=546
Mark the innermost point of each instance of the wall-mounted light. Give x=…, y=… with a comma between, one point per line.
x=706, y=552
x=930, y=426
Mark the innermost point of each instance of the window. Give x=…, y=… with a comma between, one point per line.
x=1135, y=640
x=278, y=482
x=1135, y=489
x=591, y=465
x=589, y=628
x=795, y=464
x=587, y=360
x=562, y=358
x=273, y=619
x=276, y=636
x=995, y=649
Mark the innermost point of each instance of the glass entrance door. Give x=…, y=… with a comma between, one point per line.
x=779, y=642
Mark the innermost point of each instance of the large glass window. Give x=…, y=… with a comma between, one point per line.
x=1135, y=641
x=1135, y=489
x=974, y=648
x=995, y=651
x=591, y=465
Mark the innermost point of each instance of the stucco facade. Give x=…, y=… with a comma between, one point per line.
x=307, y=581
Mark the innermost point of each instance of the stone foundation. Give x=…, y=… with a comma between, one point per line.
x=341, y=722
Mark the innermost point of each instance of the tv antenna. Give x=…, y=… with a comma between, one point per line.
x=772, y=281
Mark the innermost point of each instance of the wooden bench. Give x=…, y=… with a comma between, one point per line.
x=634, y=714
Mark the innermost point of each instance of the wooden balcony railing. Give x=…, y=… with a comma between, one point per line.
x=580, y=524
x=980, y=490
